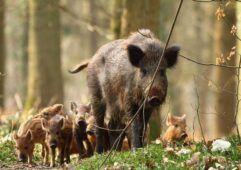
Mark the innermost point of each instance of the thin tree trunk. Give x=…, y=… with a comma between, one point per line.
x=139, y=14
x=2, y=53
x=93, y=20
x=225, y=78
x=116, y=18
x=24, y=57
x=45, y=84
x=238, y=12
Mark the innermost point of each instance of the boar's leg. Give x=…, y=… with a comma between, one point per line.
x=79, y=140
x=30, y=156
x=67, y=148
x=113, y=135
x=62, y=153
x=46, y=155
x=136, y=131
x=89, y=150
x=99, y=113
x=137, y=127
x=53, y=153
x=43, y=151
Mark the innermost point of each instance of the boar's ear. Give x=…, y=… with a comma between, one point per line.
x=29, y=135
x=171, y=55
x=73, y=107
x=62, y=123
x=183, y=118
x=44, y=124
x=135, y=55
x=15, y=136
x=169, y=119
x=58, y=107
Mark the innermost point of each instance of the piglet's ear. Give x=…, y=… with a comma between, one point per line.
x=171, y=55
x=15, y=135
x=135, y=55
x=58, y=107
x=29, y=135
x=44, y=124
x=73, y=106
x=62, y=123
x=169, y=119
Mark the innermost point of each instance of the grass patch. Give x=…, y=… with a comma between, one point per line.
x=156, y=157
x=153, y=156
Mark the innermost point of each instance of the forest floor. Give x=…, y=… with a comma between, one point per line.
x=153, y=156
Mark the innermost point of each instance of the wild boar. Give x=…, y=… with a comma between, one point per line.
x=118, y=78
x=80, y=138
x=58, y=135
x=176, y=129
x=30, y=133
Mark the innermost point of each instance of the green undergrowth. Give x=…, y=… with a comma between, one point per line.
x=153, y=156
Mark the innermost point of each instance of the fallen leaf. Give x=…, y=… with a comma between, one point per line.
x=170, y=151
x=194, y=160
x=184, y=151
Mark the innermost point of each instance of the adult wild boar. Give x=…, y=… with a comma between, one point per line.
x=118, y=78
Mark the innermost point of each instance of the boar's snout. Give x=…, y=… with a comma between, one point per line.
x=154, y=101
x=82, y=124
x=22, y=157
x=53, y=144
x=183, y=136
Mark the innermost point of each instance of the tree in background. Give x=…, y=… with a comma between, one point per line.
x=115, y=26
x=224, y=41
x=138, y=14
x=45, y=84
x=2, y=54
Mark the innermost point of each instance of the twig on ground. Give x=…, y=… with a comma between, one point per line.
x=197, y=111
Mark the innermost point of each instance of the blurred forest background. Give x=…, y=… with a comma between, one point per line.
x=41, y=40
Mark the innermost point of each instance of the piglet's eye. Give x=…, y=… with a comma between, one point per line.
x=175, y=125
x=143, y=71
x=162, y=72
x=25, y=147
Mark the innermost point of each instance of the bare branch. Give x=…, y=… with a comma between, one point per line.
x=208, y=64
x=237, y=101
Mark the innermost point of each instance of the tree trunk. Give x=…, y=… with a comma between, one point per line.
x=225, y=78
x=2, y=53
x=24, y=55
x=93, y=20
x=139, y=14
x=116, y=18
x=45, y=84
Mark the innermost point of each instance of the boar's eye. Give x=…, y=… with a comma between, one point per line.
x=162, y=72
x=45, y=113
x=25, y=147
x=176, y=125
x=57, y=133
